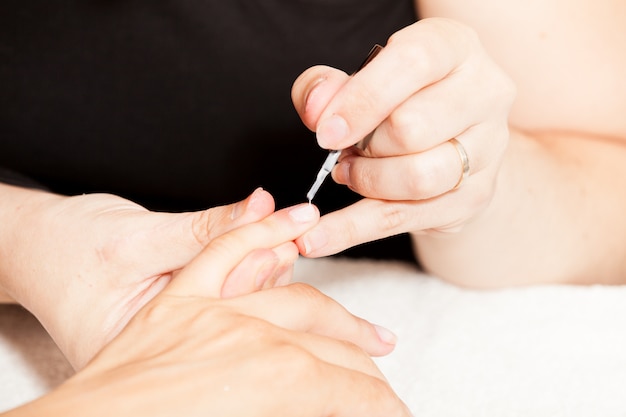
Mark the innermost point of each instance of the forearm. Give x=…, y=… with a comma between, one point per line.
x=5, y=298
x=556, y=217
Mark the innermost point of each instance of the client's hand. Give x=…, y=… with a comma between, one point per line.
x=85, y=265
x=284, y=351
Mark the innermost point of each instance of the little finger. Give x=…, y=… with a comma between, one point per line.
x=313, y=312
x=341, y=390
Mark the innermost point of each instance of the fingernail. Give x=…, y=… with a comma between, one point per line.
x=332, y=131
x=283, y=275
x=342, y=174
x=386, y=335
x=265, y=272
x=311, y=96
x=242, y=206
x=304, y=213
x=254, y=197
x=314, y=240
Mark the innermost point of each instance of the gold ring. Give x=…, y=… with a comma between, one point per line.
x=464, y=162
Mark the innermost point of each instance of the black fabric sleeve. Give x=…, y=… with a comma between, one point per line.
x=15, y=178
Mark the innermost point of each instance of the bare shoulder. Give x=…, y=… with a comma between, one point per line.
x=566, y=57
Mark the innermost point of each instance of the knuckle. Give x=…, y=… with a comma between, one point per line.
x=308, y=296
x=253, y=329
x=238, y=329
x=508, y=88
x=394, y=217
x=351, y=232
x=309, y=301
x=501, y=90
x=421, y=46
x=383, y=394
x=300, y=363
x=466, y=32
x=202, y=226
x=384, y=391
x=227, y=243
x=406, y=125
x=366, y=101
x=422, y=179
x=357, y=353
x=422, y=58
x=481, y=195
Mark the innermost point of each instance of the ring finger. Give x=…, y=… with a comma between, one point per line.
x=424, y=175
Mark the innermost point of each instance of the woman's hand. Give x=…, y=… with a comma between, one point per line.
x=431, y=98
x=85, y=265
x=283, y=351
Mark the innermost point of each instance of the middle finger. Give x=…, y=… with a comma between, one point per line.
x=439, y=112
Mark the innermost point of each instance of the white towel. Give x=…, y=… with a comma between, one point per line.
x=536, y=351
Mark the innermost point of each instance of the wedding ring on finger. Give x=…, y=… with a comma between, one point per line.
x=464, y=162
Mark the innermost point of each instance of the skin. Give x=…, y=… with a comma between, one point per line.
x=189, y=351
x=128, y=257
x=534, y=92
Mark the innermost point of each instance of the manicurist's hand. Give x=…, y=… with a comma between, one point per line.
x=283, y=351
x=437, y=108
x=85, y=265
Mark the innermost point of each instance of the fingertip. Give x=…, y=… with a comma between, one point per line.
x=247, y=279
x=313, y=242
x=304, y=213
x=341, y=173
x=332, y=131
x=256, y=206
x=282, y=276
x=261, y=201
x=301, y=245
x=288, y=254
x=313, y=90
x=307, y=98
x=385, y=335
x=311, y=101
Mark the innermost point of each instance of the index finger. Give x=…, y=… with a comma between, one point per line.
x=205, y=275
x=370, y=219
x=414, y=57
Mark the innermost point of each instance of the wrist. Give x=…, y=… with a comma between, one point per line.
x=61, y=402
x=18, y=208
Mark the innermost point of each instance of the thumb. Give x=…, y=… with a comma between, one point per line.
x=313, y=90
x=169, y=241
x=206, y=273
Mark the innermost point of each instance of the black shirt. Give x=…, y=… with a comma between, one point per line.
x=179, y=104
